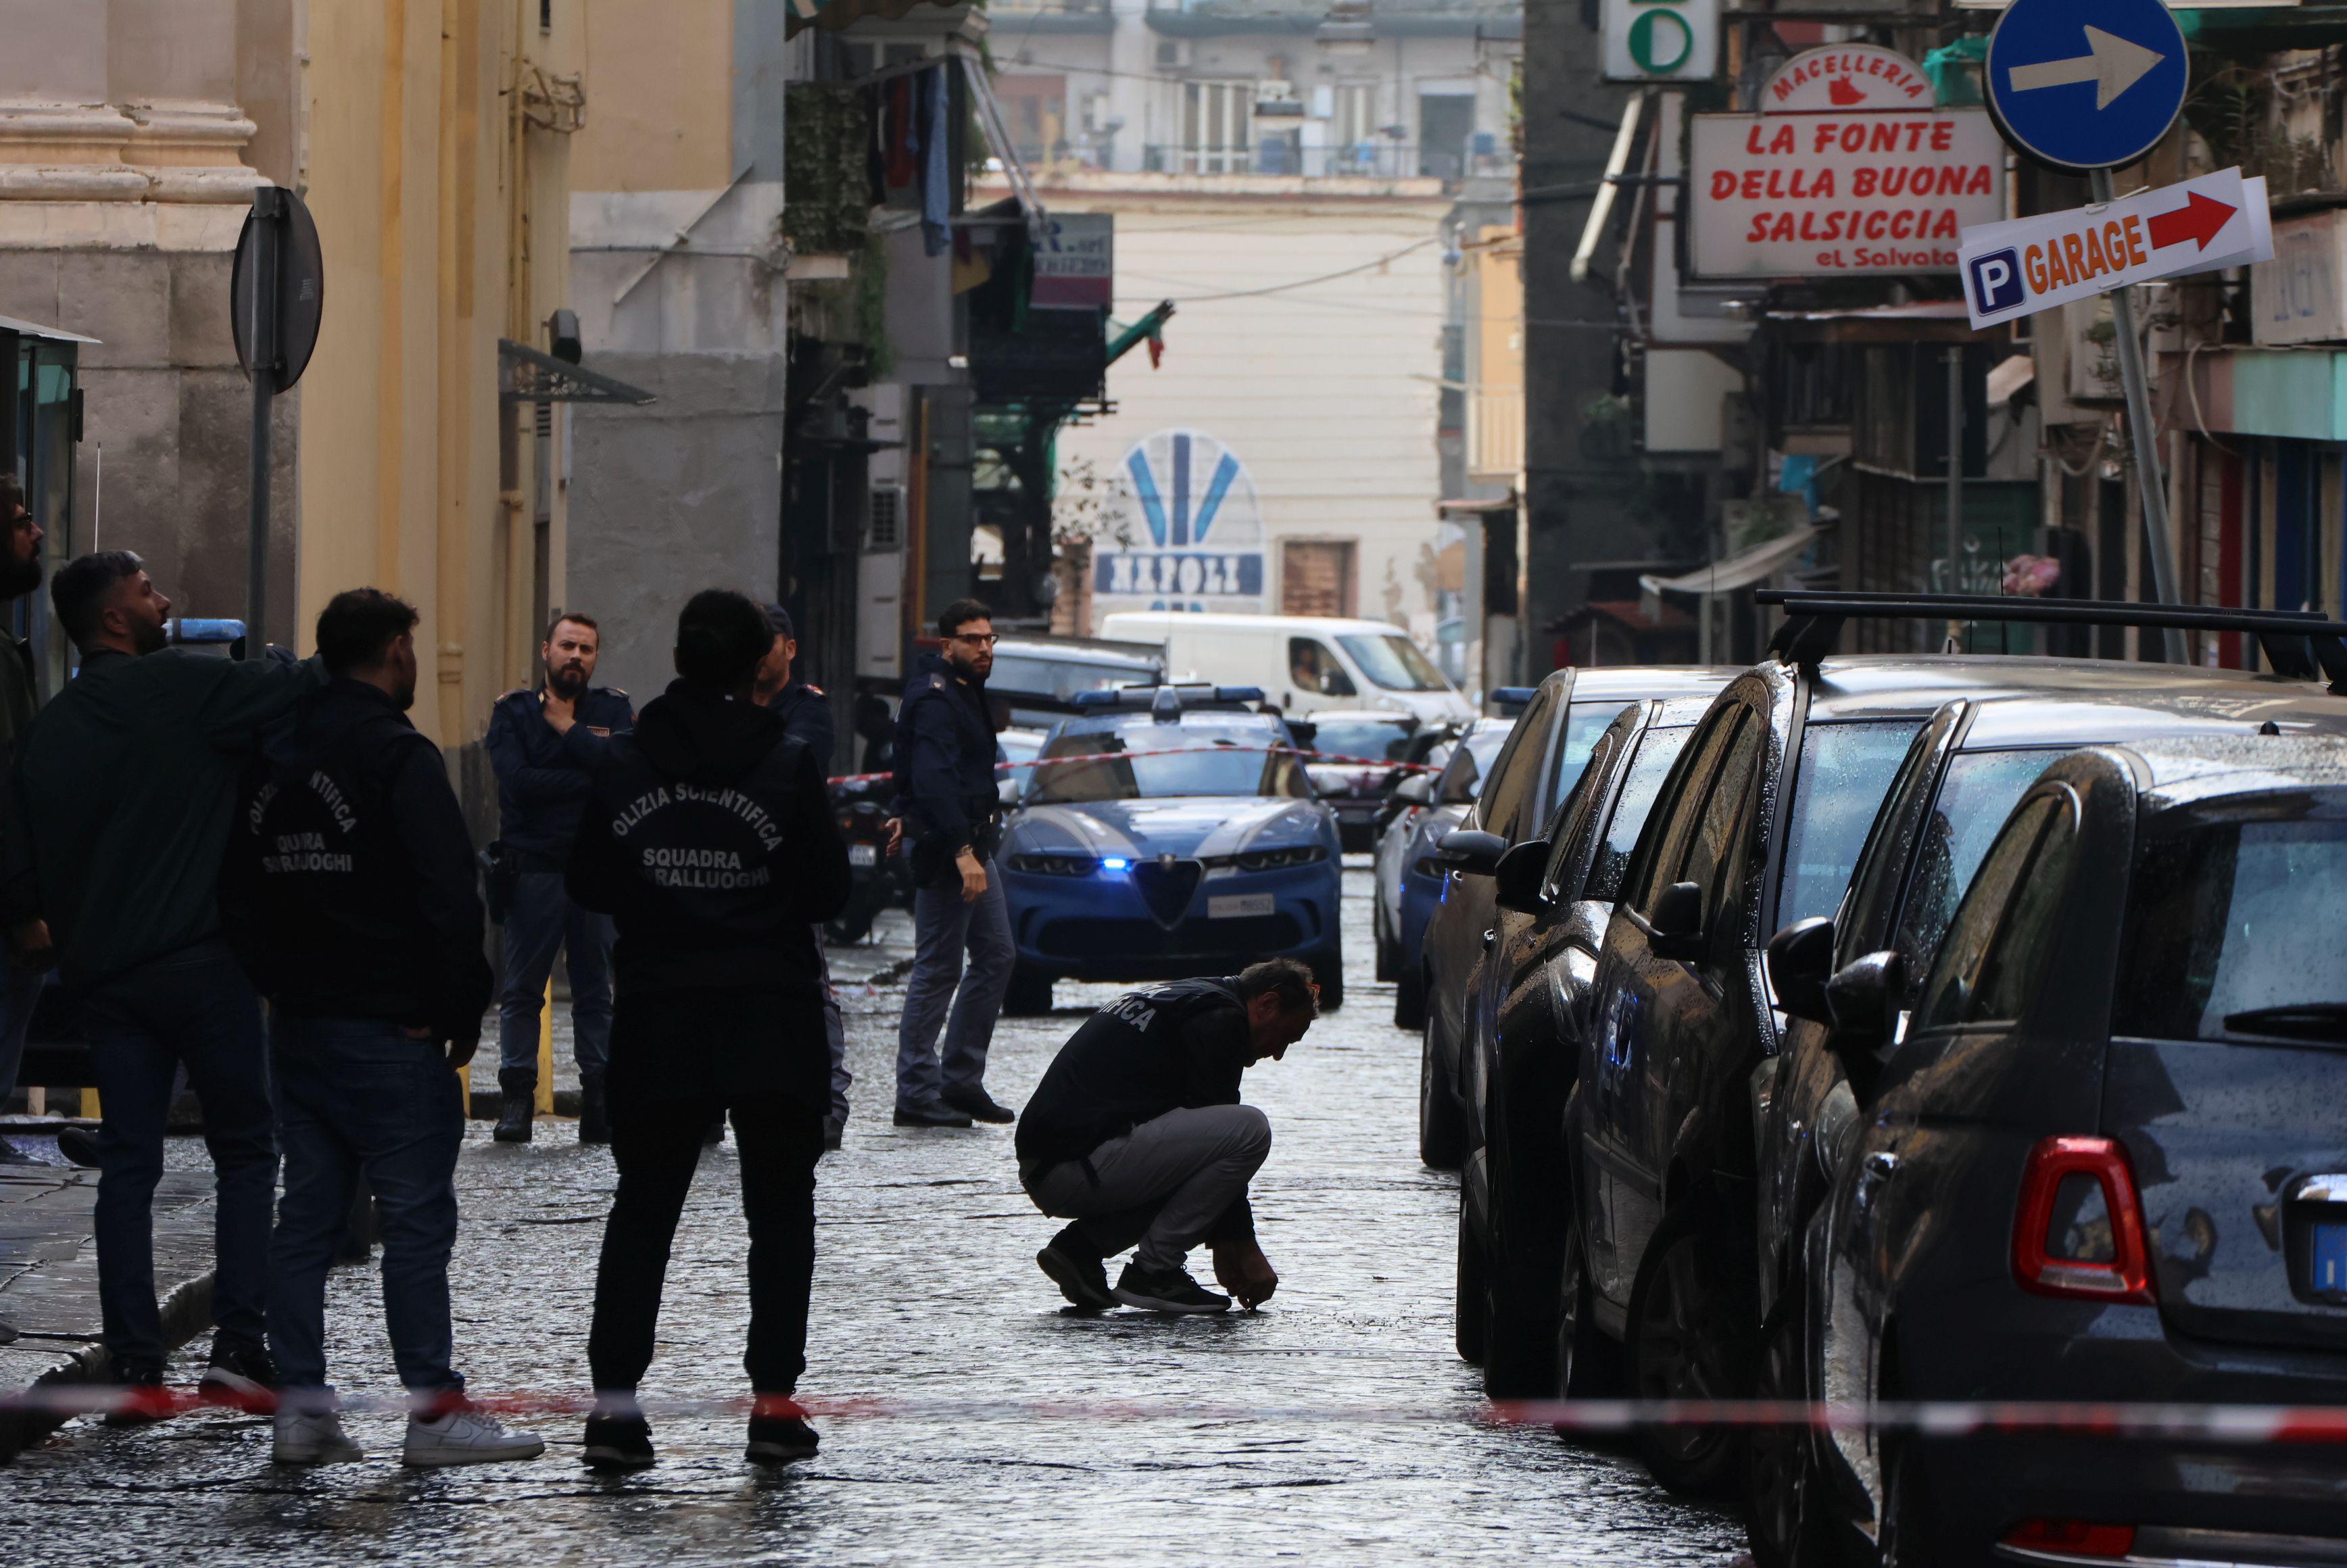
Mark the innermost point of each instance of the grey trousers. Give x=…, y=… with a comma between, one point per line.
x=834, y=1034
x=943, y=929
x=1162, y=1186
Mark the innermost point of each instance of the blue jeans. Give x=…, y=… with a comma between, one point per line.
x=20, y=990
x=359, y=1095
x=944, y=927
x=192, y=1007
x=542, y=922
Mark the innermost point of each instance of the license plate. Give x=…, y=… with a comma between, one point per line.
x=1233, y=905
x=864, y=855
x=2331, y=1259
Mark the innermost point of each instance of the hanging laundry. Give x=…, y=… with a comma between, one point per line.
x=904, y=133
x=937, y=192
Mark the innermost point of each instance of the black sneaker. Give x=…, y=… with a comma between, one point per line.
x=12, y=1155
x=241, y=1375
x=1076, y=1269
x=617, y=1443
x=1166, y=1290
x=147, y=1399
x=515, y=1115
x=715, y=1133
x=594, y=1114
x=78, y=1144
x=779, y=1440
x=980, y=1104
x=929, y=1116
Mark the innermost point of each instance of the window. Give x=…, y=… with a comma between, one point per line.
x=1465, y=770
x=1974, y=799
x=1217, y=128
x=1576, y=817
x=1711, y=853
x=1315, y=576
x=1386, y=739
x=1632, y=804
x=1509, y=782
x=1185, y=760
x=1998, y=934
x=1584, y=722
x=1395, y=663
x=1845, y=771
x=1662, y=844
x=1313, y=668
x=1063, y=678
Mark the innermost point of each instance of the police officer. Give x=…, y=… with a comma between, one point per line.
x=349, y=891
x=1136, y=1133
x=944, y=775
x=805, y=713
x=541, y=788
x=709, y=840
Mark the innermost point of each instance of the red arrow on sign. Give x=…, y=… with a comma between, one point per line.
x=2198, y=218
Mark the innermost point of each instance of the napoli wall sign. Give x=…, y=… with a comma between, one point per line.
x=1188, y=507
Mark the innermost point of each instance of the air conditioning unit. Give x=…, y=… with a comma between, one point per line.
x=1173, y=54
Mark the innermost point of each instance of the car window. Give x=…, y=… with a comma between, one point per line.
x=1166, y=760
x=1313, y=666
x=1632, y=803
x=1873, y=882
x=1462, y=779
x=1844, y=772
x=1952, y=996
x=1393, y=662
x=1584, y=722
x=2229, y=916
x=1576, y=815
x=1510, y=781
x=1712, y=847
x=1063, y=678
x=1662, y=844
x=1976, y=797
x=1385, y=740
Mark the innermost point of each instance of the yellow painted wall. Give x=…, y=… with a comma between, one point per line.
x=663, y=84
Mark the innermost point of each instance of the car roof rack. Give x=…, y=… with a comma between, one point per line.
x=2300, y=645
x=1168, y=700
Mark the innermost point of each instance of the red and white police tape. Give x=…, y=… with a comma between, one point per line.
x=1329, y=758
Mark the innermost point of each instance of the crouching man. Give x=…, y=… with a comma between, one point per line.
x=1136, y=1133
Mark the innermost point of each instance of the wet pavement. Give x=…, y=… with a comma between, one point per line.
x=926, y=1290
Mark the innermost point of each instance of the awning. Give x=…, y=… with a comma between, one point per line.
x=1755, y=565
x=35, y=330
x=526, y=375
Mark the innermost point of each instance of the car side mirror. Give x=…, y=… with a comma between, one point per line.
x=1517, y=878
x=1801, y=956
x=1678, y=922
x=1471, y=852
x=1417, y=789
x=1863, y=998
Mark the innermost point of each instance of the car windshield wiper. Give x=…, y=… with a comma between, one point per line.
x=2296, y=1020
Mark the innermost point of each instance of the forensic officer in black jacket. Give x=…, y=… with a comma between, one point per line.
x=1136, y=1133
x=541, y=789
x=348, y=891
x=944, y=779
x=709, y=839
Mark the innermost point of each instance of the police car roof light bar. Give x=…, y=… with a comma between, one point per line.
x=1516, y=697
x=2300, y=644
x=1189, y=693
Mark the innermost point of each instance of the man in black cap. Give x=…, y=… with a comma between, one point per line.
x=709, y=839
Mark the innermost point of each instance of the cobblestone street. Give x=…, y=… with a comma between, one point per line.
x=926, y=1290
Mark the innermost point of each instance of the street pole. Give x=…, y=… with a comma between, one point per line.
x=1955, y=484
x=261, y=306
x=2149, y=484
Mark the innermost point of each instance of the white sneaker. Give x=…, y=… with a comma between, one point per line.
x=466, y=1435
x=312, y=1437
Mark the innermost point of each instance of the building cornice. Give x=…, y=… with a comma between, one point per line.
x=176, y=151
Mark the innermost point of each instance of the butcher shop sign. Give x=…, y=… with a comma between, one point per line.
x=1849, y=169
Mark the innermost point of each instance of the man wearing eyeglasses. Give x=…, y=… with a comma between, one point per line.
x=945, y=785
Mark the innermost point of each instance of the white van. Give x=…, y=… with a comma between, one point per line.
x=1302, y=662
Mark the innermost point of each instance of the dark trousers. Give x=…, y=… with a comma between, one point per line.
x=656, y=1142
x=359, y=1095
x=193, y=1007
x=543, y=922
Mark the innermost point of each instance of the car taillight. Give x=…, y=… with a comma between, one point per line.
x=2079, y=1230
x=2072, y=1537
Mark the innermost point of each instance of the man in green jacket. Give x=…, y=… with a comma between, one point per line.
x=117, y=818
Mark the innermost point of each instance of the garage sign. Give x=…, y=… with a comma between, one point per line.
x=1850, y=169
x=2031, y=264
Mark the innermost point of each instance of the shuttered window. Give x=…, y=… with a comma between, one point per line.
x=1315, y=576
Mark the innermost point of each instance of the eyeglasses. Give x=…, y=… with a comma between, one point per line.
x=980, y=638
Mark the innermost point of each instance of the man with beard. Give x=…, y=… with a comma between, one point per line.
x=945, y=773
x=115, y=818
x=349, y=890
x=30, y=954
x=541, y=789
x=709, y=840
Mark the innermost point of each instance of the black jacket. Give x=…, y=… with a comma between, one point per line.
x=541, y=784
x=708, y=837
x=348, y=888
x=805, y=713
x=1170, y=1047
x=944, y=765
x=120, y=798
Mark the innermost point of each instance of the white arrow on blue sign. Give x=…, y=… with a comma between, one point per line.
x=2085, y=84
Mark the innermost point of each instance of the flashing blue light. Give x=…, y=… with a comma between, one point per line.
x=1115, y=863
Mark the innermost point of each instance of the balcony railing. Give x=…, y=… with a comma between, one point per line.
x=1379, y=159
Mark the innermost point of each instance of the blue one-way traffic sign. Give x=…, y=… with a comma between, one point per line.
x=2085, y=84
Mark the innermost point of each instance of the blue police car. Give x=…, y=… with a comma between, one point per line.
x=1185, y=840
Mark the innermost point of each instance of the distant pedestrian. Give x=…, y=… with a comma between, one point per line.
x=709, y=839
x=30, y=955
x=350, y=892
x=805, y=713
x=541, y=789
x=116, y=816
x=1136, y=1133
x=945, y=783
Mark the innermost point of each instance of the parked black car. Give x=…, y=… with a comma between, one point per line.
x=1523, y=1043
x=1536, y=768
x=2103, y=1164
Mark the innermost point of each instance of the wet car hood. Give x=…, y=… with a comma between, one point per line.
x=1185, y=825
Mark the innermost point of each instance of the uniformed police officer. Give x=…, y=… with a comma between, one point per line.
x=709, y=839
x=348, y=889
x=944, y=779
x=541, y=787
x=806, y=718
x=1136, y=1133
